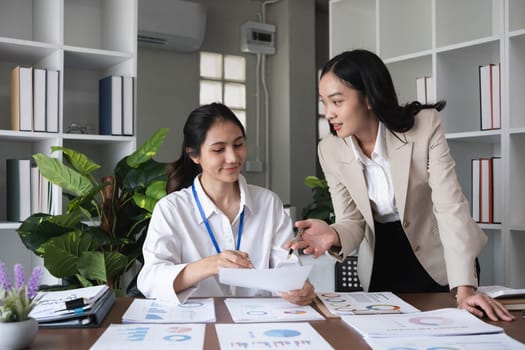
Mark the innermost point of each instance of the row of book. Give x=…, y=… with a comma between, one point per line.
x=486, y=190
x=490, y=96
x=28, y=192
x=34, y=99
x=116, y=105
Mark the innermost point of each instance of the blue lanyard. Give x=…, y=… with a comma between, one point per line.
x=208, y=227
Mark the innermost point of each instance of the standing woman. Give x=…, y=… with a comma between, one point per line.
x=211, y=218
x=394, y=189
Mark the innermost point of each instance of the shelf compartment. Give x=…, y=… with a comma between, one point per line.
x=516, y=259
x=516, y=17
x=101, y=24
x=516, y=185
x=19, y=149
x=352, y=25
x=482, y=16
x=31, y=20
x=517, y=81
x=457, y=82
x=407, y=19
x=464, y=151
x=404, y=74
x=491, y=259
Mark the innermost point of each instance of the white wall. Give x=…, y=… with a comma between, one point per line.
x=167, y=89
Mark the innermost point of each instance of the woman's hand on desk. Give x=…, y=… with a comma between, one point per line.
x=303, y=296
x=481, y=304
x=316, y=237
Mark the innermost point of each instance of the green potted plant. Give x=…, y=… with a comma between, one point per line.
x=99, y=237
x=321, y=206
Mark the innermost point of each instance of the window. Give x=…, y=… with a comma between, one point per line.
x=223, y=79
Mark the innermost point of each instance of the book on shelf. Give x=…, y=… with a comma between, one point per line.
x=22, y=98
x=18, y=188
x=486, y=190
x=52, y=100
x=128, y=107
x=425, y=90
x=490, y=96
x=110, y=105
x=81, y=307
x=39, y=99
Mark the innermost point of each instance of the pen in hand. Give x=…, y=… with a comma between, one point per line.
x=296, y=239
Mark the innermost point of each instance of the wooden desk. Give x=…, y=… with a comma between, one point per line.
x=334, y=331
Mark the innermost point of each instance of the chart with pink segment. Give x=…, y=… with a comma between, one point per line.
x=269, y=310
x=151, y=336
x=363, y=303
x=267, y=336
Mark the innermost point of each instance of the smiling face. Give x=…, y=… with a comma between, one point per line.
x=346, y=108
x=222, y=153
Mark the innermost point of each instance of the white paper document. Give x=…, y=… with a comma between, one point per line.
x=282, y=279
x=363, y=303
x=269, y=310
x=155, y=311
x=502, y=292
x=440, y=322
x=498, y=341
x=151, y=336
x=266, y=336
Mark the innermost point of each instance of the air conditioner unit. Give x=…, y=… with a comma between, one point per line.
x=171, y=24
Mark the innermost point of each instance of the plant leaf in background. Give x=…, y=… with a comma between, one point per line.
x=148, y=149
x=59, y=174
x=321, y=206
x=78, y=160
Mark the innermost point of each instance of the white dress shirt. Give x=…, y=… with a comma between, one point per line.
x=378, y=178
x=177, y=236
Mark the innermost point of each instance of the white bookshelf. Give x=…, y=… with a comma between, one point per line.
x=449, y=40
x=85, y=40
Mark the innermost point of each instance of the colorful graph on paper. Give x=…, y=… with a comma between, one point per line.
x=151, y=336
x=353, y=303
x=154, y=311
x=441, y=322
x=269, y=336
x=269, y=310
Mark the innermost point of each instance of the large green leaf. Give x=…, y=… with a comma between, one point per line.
x=115, y=263
x=314, y=181
x=91, y=266
x=40, y=228
x=148, y=149
x=63, y=176
x=78, y=160
x=147, y=173
x=154, y=192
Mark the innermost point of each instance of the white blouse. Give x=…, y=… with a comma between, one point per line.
x=177, y=236
x=378, y=178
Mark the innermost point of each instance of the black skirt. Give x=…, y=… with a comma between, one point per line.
x=396, y=267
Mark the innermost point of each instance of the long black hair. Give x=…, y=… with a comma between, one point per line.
x=366, y=72
x=182, y=172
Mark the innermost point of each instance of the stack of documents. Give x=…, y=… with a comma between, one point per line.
x=513, y=299
x=269, y=310
x=155, y=311
x=81, y=307
x=362, y=303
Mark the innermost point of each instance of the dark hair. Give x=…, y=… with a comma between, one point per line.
x=365, y=72
x=182, y=172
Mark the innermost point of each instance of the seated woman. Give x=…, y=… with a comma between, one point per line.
x=211, y=218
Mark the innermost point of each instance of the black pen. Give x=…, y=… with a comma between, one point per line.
x=296, y=239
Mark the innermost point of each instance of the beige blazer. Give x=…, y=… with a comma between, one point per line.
x=432, y=208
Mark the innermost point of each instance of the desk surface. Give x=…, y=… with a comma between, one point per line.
x=333, y=330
